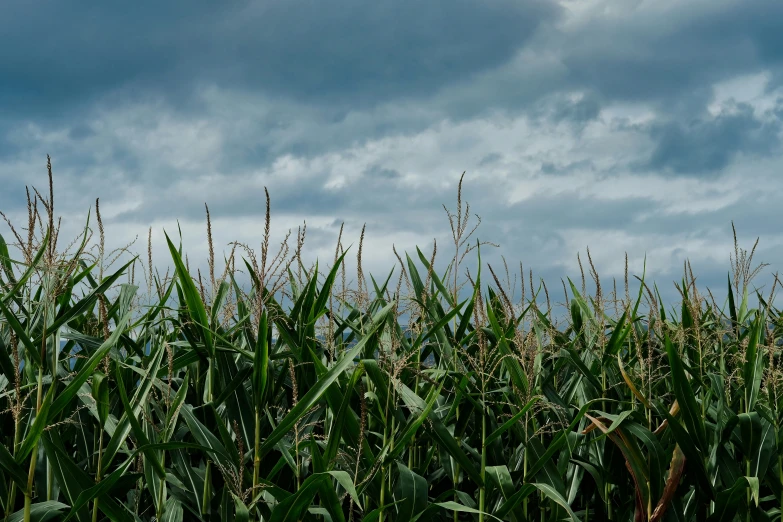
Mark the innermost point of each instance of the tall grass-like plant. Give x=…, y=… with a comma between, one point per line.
x=293, y=398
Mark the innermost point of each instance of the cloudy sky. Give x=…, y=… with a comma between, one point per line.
x=631, y=126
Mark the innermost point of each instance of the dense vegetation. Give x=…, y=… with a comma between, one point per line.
x=205, y=399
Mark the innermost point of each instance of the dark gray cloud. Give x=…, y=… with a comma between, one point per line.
x=57, y=59
x=350, y=53
x=708, y=145
x=368, y=112
x=675, y=54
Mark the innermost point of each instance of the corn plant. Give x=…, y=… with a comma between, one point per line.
x=190, y=397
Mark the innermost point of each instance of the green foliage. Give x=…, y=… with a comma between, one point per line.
x=194, y=403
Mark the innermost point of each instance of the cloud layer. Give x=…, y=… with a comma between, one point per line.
x=639, y=127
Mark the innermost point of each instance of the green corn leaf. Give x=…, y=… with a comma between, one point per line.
x=138, y=431
x=261, y=361
x=445, y=293
x=173, y=414
x=238, y=402
x=691, y=414
x=501, y=478
x=294, y=507
x=410, y=493
x=335, y=433
x=73, y=480
x=594, y=472
x=107, y=483
x=217, y=303
x=123, y=428
x=192, y=298
x=375, y=514
x=558, y=443
x=173, y=511
x=13, y=468
x=100, y=393
x=753, y=369
x=40, y=511
x=511, y=364
x=344, y=479
x=733, y=309
x=442, y=435
x=64, y=397
x=193, y=481
x=546, y=470
x=634, y=460
x=555, y=496
x=513, y=502
x=5, y=260
x=729, y=501
x=454, y=506
x=692, y=453
x=241, y=514
x=324, y=382
x=99, y=489
x=616, y=341
x=206, y=438
x=512, y=421
x=30, y=441
x=32, y=350
x=7, y=366
x=88, y=301
x=319, y=307
x=576, y=361
x=327, y=492
x=11, y=294
x=401, y=444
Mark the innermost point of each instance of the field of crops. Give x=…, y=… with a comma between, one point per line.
x=129, y=394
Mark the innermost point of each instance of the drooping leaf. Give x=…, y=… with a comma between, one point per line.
x=100, y=394
x=40, y=511
x=410, y=493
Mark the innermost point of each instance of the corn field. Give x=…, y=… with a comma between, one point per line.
x=129, y=394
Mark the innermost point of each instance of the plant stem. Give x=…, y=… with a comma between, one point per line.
x=256, y=455
x=206, y=494
x=524, y=466
x=385, y=438
x=483, y=489
x=9, y=507
x=28, y=494
x=98, y=474
x=780, y=475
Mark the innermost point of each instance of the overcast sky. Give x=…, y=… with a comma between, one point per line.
x=643, y=127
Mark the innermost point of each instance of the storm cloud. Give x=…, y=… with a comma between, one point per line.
x=639, y=127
